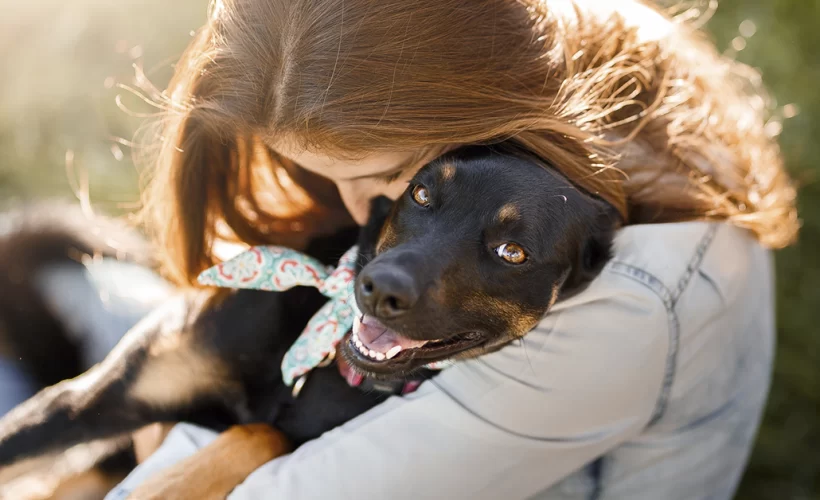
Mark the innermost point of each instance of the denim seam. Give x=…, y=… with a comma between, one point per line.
x=656, y=285
x=695, y=262
x=669, y=299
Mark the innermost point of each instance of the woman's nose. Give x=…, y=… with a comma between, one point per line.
x=356, y=196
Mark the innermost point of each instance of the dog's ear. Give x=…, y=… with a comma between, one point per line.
x=369, y=235
x=596, y=250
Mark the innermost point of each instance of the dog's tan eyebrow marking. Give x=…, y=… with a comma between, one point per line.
x=448, y=171
x=387, y=237
x=508, y=213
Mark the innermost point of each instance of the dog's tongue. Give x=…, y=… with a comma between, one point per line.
x=379, y=338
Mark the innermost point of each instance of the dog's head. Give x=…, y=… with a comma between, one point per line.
x=474, y=253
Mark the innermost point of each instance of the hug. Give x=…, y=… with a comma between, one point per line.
x=550, y=223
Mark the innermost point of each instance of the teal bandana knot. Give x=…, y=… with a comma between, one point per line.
x=277, y=269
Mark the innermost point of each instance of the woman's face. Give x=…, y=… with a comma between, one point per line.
x=359, y=181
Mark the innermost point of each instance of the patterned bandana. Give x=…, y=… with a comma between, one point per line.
x=276, y=269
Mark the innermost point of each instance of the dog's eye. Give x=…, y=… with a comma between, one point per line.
x=421, y=196
x=512, y=253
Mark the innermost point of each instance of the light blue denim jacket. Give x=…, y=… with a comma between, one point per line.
x=648, y=385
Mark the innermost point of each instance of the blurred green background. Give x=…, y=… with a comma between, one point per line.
x=60, y=128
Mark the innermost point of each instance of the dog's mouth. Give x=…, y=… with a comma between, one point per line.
x=379, y=349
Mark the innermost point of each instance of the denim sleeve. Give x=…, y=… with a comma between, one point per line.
x=506, y=425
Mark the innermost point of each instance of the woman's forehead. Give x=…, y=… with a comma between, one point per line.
x=341, y=169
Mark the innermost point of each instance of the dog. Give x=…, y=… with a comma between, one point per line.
x=482, y=243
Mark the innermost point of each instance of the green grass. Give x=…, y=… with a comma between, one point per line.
x=56, y=56
x=786, y=460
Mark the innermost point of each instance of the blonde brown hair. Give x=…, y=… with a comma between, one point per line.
x=628, y=103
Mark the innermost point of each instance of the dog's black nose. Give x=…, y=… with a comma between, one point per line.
x=387, y=292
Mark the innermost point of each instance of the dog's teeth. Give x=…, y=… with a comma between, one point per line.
x=393, y=351
x=370, y=353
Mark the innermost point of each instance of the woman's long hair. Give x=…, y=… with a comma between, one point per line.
x=629, y=104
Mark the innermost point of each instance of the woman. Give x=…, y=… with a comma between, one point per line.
x=651, y=383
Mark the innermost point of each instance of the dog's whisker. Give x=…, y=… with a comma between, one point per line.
x=526, y=354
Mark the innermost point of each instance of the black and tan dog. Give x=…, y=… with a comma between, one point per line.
x=471, y=257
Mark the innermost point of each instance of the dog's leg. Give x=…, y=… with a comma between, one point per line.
x=218, y=468
x=158, y=372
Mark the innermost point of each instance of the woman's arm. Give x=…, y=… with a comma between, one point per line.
x=507, y=425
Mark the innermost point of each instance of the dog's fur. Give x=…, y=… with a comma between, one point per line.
x=215, y=360
x=36, y=239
